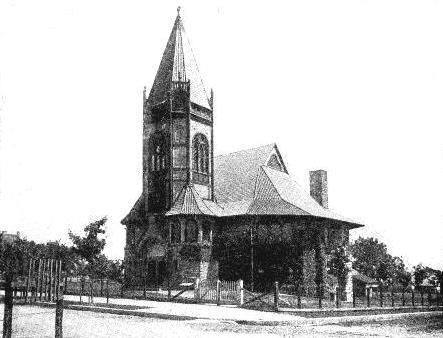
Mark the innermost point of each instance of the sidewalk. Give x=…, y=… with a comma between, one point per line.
x=226, y=313
x=182, y=311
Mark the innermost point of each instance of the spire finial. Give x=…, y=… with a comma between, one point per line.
x=178, y=10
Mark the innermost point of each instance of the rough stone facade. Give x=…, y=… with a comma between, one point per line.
x=183, y=213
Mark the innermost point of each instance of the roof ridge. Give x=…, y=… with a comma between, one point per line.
x=244, y=150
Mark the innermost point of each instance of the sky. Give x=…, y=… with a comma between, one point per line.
x=352, y=87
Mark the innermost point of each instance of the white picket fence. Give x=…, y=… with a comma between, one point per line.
x=217, y=291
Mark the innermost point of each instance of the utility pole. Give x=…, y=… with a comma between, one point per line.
x=7, y=317
x=252, y=258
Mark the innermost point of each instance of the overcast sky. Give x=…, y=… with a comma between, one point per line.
x=352, y=87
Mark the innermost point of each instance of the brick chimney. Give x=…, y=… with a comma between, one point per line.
x=319, y=186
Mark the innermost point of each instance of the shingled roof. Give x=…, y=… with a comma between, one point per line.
x=235, y=173
x=178, y=64
x=246, y=185
x=189, y=202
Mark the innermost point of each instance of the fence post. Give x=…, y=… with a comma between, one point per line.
x=353, y=297
x=241, y=292
x=381, y=294
x=429, y=298
x=197, y=289
x=82, y=287
x=368, y=298
x=392, y=296
x=59, y=301
x=38, y=279
x=42, y=286
x=218, y=289
x=91, y=290
x=107, y=291
x=337, y=296
x=422, y=298
x=32, y=298
x=413, y=298
x=28, y=281
x=144, y=285
x=47, y=280
x=57, y=280
x=59, y=315
x=169, y=284
x=299, y=290
x=51, y=267
x=276, y=296
x=7, y=316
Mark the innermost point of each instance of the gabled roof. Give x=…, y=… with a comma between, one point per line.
x=235, y=173
x=178, y=64
x=246, y=185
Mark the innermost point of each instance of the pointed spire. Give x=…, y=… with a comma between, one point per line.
x=178, y=64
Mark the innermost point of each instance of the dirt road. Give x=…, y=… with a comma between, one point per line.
x=32, y=321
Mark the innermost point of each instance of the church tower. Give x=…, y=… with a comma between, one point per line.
x=177, y=170
x=177, y=128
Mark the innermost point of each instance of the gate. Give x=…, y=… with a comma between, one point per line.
x=216, y=291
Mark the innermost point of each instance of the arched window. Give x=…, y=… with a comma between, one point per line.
x=191, y=232
x=175, y=232
x=200, y=151
x=158, y=149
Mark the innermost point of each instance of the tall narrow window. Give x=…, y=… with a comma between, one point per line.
x=158, y=148
x=206, y=229
x=191, y=232
x=200, y=150
x=175, y=232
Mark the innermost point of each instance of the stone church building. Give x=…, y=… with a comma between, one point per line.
x=238, y=215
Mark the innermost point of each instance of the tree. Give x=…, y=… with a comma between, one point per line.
x=401, y=276
x=90, y=246
x=372, y=259
x=421, y=273
x=338, y=265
